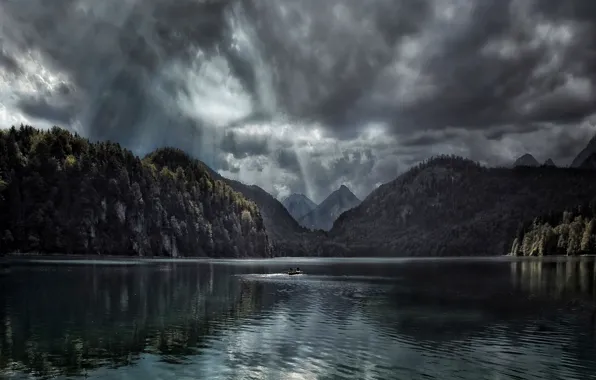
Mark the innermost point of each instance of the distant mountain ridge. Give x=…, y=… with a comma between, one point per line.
x=589, y=162
x=325, y=214
x=298, y=205
x=526, y=160
x=585, y=154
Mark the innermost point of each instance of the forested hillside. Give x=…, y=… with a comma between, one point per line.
x=286, y=236
x=571, y=232
x=62, y=194
x=453, y=206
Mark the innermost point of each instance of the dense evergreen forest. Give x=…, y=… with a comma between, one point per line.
x=60, y=193
x=451, y=206
x=287, y=237
x=571, y=232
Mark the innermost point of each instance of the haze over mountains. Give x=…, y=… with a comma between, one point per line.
x=323, y=216
x=298, y=205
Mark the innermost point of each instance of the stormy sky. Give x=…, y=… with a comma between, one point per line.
x=306, y=95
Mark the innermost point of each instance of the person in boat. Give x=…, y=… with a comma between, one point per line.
x=297, y=269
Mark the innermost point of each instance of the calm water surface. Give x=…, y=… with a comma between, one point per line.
x=429, y=319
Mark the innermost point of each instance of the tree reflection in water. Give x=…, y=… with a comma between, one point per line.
x=439, y=319
x=103, y=316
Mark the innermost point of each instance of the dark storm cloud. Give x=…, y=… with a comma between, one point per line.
x=567, y=145
x=477, y=90
x=244, y=146
x=580, y=10
x=472, y=89
x=306, y=86
x=112, y=51
x=41, y=109
x=7, y=62
x=497, y=133
x=287, y=159
x=461, y=75
x=427, y=138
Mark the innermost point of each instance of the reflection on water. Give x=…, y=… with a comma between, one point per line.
x=442, y=319
x=571, y=278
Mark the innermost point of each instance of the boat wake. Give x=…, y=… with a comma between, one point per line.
x=263, y=275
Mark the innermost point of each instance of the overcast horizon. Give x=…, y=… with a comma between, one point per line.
x=302, y=96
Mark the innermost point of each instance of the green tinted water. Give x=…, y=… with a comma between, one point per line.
x=429, y=319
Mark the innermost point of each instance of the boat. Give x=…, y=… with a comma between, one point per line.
x=292, y=272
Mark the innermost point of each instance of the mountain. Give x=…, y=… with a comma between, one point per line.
x=59, y=193
x=287, y=237
x=323, y=216
x=589, y=162
x=549, y=162
x=450, y=206
x=526, y=160
x=589, y=150
x=298, y=205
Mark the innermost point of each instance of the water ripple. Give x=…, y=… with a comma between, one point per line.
x=218, y=322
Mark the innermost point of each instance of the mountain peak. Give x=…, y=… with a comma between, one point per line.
x=589, y=162
x=345, y=193
x=344, y=190
x=526, y=160
x=549, y=162
x=298, y=205
x=323, y=216
x=295, y=196
x=585, y=153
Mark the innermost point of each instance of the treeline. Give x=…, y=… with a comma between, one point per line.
x=571, y=233
x=60, y=193
x=451, y=206
x=287, y=237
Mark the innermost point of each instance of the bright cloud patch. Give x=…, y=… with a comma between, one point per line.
x=303, y=96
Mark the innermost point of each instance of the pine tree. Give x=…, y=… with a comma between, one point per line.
x=587, y=238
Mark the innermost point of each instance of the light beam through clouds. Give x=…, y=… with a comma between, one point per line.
x=306, y=95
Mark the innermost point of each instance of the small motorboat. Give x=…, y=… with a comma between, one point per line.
x=292, y=271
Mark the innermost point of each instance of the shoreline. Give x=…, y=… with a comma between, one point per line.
x=48, y=258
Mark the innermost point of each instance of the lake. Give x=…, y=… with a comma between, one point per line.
x=352, y=319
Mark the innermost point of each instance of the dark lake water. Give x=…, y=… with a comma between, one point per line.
x=427, y=319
